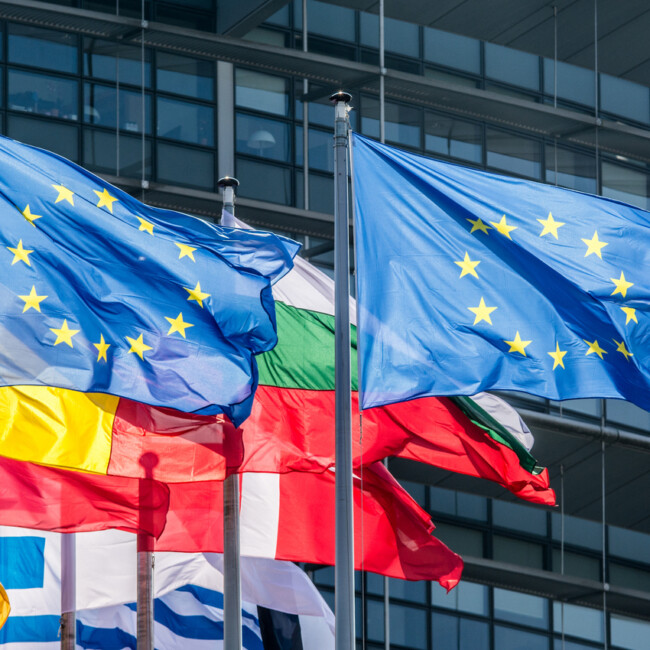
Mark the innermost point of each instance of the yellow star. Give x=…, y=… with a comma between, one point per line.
x=557, y=356
x=105, y=199
x=138, y=346
x=503, y=227
x=630, y=314
x=594, y=245
x=64, y=194
x=622, y=349
x=518, y=345
x=145, y=225
x=20, y=254
x=468, y=266
x=594, y=348
x=102, y=347
x=64, y=334
x=479, y=225
x=482, y=312
x=27, y=213
x=178, y=325
x=197, y=294
x=622, y=285
x=550, y=226
x=186, y=251
x=32, y=300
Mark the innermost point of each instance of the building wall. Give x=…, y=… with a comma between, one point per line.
x=166, y=125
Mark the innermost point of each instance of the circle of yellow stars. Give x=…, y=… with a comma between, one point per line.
x=64, y=333
x=550, y=227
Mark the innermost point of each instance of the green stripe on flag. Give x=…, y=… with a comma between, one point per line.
x=304, y=355
x=482, y=419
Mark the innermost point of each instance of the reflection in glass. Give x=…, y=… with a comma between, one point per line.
x=185, y=76
x=408, y=627
x=626, y=185
x=60, y=138
x=183, y=166
x=577, y=531
x=42, y=48
x=576, y=171
x=516, y=516
x=327, y=20
x=630, y=544
x=511, y=66
x=261, y=92
x=100, y=108
x=459, y=504
x=453, y=138
x=573, y=83
x=624, y=98
x=100, y=58
x=38, y=93
x=264, y=181
x=583, y=622
x=454, y=633
x=465, y=597
x=179, y=120
x=262, y=137
x=629, y=633
x=403, y=123
x=416, y=591
x=514, y=154
x=521, y=608
x=100, y=154
x=506, y=637
x=452, y=50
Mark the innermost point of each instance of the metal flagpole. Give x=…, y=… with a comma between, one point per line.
x=232, y=638
x=344, y=569
x=68, y=592
x=144, y=606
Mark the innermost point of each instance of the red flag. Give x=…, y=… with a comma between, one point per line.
x=290, y=517
x=46, y=498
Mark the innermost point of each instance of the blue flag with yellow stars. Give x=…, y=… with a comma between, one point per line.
x=469, y=281
x=101, y=293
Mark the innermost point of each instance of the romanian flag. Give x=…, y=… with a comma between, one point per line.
x=292, y=422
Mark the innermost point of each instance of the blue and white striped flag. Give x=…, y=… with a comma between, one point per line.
x=188, y=610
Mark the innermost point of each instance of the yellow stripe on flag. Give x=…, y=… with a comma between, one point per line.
x=57, y=427
x=5, y=606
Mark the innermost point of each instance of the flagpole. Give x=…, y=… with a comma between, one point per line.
x=232, y=638
x=68, y=592
x=144, y=604
x=344, y=569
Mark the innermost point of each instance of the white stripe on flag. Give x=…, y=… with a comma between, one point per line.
x=260, y=514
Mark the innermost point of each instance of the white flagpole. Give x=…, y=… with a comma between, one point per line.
x=232, y=638
x=344, y=569
x=68, y=592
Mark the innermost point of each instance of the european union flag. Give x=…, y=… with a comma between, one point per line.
x=470, y=281
x=101, y=293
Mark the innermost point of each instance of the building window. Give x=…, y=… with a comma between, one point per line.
x=184, y=76
x=101, y=108
x=524, y=609
x=112, y=61
x=456, y=633
x=43, y=94
x=577, y=171
x=183, y=166
x=185, y=121
x=452, y=50
x=627, y=185
x=511, y=153
x=262, y=137
x=453, y=138
x=511, y=66
x=42, y=48
x=261, y=92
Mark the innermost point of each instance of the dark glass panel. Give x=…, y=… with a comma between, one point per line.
x=454, y=138
x=511, y=153
x=108, y=60
x=100, y=154
x=184, y=76
x=263, y=181
x=260, y=136
x=59, y=138
x=100, y=108
x=183, y=166
x=184, y=121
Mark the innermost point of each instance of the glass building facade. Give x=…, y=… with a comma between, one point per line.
x=163, y=98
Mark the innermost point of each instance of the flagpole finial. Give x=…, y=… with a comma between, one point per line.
x=340, y=96
x=228, y=181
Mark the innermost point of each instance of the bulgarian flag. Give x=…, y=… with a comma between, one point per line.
x=292, y=421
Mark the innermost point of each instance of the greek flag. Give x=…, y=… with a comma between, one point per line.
x=188, y=609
